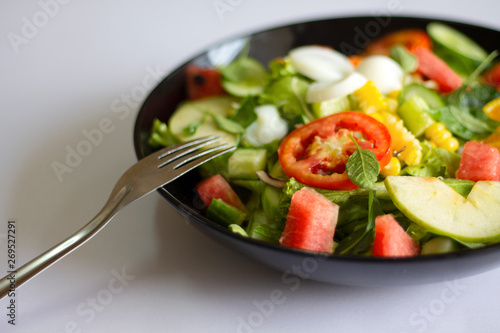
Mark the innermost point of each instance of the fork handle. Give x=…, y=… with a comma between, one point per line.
x=21, y=275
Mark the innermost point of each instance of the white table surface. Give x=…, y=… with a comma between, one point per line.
x=66, y=66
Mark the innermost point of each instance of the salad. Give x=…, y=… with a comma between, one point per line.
x=392, y=152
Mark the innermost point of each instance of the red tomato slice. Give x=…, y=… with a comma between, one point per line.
x=410, y=38
x=316, y=153
x=203, y=82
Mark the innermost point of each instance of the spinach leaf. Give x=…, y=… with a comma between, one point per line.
x=360, y=241
x=454, y=124
x=245, y=114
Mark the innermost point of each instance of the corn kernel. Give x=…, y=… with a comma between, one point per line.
x=392, y=169
x=451, y=144
x=434, y=129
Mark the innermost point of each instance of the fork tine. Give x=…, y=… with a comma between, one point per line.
x=180, y=149
x=196, y=160
x=196, y=155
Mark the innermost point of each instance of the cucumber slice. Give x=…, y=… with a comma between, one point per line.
x=271, y=201
x=243, y=77
x=414, y=89
x=415, y=116
x=193, y=113
x=244, y=162
x=224, y=214
x=329, y=107
x=456, y=42
x=260, y=222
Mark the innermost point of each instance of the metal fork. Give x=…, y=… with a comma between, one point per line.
x=144, y=177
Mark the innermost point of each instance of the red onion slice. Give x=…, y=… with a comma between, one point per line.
x=264, y=176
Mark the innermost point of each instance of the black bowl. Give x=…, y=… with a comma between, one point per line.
x=349, y=35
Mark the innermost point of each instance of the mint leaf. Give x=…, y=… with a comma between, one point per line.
x=362, y=167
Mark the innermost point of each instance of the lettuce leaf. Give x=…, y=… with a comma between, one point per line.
x=436, y=162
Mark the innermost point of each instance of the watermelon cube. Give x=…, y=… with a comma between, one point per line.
x=391, y=240
x=217, y=187
x=479, y=162
x=310, y=222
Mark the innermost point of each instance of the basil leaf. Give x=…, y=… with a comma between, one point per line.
x=362, y=167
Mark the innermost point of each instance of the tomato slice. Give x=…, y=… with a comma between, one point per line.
x=316, y=153
x=412, y=39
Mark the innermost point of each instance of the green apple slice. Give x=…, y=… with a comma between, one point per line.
x=194, y=112
x=434, y=205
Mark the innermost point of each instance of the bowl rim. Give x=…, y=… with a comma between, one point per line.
x=191, y=214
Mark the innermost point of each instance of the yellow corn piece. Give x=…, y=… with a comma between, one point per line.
x=370, y=99
x=492, y=109
x=441, y=137
x=391, y=169
x=401, y=138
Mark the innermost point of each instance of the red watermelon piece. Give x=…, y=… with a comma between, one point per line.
x=492, y=76
x=479, y=162
x=203, y=82
x=433, y=67
x=217, y=187
x=391, y=240
x=310, y=222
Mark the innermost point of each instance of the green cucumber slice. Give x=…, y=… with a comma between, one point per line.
x=244, y=162
x=326, y=108
x=415, y=116
x=455, y=41
x=263, y=227
x=414, y=89
x=271, y=201
x=224, y=214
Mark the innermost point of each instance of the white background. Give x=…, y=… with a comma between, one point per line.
x=74, y=69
